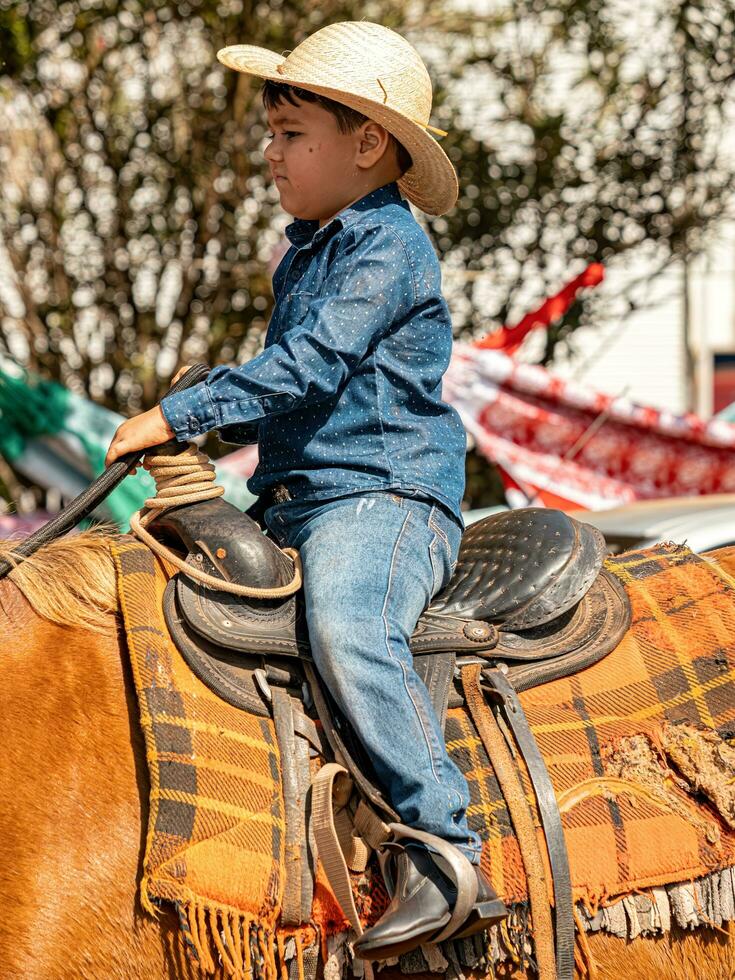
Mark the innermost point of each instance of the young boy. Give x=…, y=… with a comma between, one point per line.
x=361, y=462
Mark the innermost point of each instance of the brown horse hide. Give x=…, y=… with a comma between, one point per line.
x=74, y=796
x=74, y=792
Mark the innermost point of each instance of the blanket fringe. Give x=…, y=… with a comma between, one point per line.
x=220, y=937
x=587, y=965
x=300, y=957
x=282, y=957
x=706, y=902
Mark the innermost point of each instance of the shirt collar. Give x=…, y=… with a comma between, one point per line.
x=303, y=232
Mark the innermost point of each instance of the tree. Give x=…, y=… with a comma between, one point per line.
x=586, y=130
x=137, y=224
x=134, y=211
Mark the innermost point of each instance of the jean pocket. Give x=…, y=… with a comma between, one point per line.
x=447, y=537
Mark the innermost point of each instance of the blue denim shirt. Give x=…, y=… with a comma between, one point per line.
x=346, y=395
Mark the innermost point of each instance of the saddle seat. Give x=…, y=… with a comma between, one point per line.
x=528, y=590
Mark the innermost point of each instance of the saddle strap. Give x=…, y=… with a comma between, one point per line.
x=516, y=720
x=520, y=813
x=325, y=789
x=437, y=673
x=308, y=844
x=296, y=855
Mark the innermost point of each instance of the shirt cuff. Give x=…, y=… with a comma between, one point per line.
x=190, y=412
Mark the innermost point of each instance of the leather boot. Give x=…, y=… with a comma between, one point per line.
x=421, y=906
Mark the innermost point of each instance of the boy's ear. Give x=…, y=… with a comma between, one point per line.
x=373, y=142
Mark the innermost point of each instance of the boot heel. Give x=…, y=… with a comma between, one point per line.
x=482, y=916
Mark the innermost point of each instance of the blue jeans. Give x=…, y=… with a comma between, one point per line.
x=372, y=563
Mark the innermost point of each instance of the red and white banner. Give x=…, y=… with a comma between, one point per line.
x=560, y=444
x=509, y=339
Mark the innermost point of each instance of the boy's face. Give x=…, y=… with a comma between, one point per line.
x=312, y=162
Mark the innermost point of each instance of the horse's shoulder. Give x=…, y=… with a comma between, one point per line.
x=16, y=612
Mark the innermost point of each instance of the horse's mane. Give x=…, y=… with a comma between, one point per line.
x=70, y=581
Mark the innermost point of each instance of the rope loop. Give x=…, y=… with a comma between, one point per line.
x=186, y=477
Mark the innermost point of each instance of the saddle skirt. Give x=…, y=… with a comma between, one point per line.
x=528, y=591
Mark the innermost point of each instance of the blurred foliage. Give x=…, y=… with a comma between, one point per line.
x=595, y=131
x=141, y=229
x=483, y=483
x=138, y=225
x=134, y=206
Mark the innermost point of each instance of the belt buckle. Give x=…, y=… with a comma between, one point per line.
x=281, y=494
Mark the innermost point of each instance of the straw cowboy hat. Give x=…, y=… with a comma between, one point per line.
x=377, y=72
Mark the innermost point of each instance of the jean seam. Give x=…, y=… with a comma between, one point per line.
x=435, y=527
x=435, y=559
x=422, y=726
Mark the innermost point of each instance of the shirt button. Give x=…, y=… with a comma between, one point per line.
x=194, y=425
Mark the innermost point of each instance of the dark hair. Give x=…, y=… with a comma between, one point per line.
x=348, y=119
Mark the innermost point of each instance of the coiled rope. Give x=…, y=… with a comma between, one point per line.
x=186, y=477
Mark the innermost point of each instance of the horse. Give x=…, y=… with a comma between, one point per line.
x=74, y=796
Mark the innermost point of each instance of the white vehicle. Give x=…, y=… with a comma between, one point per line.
x=703, y=523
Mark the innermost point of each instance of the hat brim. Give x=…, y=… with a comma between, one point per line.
x=430, y=183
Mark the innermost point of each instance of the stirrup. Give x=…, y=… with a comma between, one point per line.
x=482, y=915
x=454, y=864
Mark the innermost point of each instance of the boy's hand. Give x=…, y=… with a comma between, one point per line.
x=148, y=429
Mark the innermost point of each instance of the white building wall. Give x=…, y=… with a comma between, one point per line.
x=643, y=354
x=712, y=290
x=640, y=355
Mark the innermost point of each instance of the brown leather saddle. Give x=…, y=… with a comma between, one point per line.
x=529, y=600
x=528, y=591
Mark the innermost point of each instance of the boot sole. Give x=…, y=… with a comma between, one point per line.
x=399, y=947
x=483, y=916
